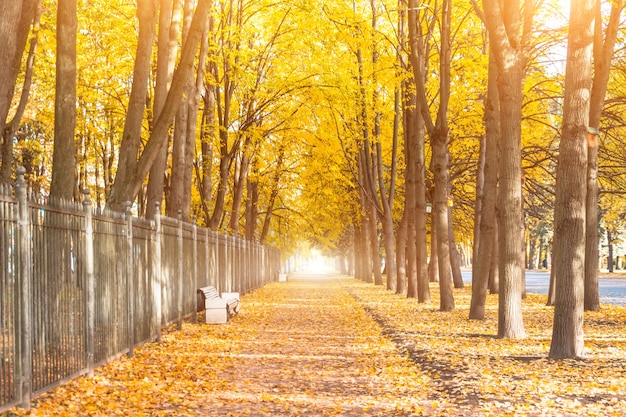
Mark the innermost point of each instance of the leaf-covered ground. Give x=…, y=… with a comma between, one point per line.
x=319, y=346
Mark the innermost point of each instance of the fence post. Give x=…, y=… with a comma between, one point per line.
x=179, y=303
x=157, y=277
x=130, y=285
x=25, y=350
x=90, y=276
x=194, y=317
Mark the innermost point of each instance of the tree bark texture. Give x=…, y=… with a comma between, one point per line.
x=410, y=149
x=510, y=321
x=15, y=23
x=64, y=185
x=423, y=287
x=167, y=48
x=126, y=186
x=571, y=187
x=10, y=129
x=401, y=243
x=455, y=257
x=602, y=54
x=486, y=231
x=183, y=145
x=494, y=270
x=509, y=32
x=131, y=137
x=440, y=213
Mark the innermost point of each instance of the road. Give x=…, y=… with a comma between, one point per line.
x=612, y=290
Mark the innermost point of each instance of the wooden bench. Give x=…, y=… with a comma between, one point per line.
x=217, y=309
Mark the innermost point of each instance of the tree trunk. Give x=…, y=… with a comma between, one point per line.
x=480, y=195
x=510, y=322
x=182, y=156
x=167, y=47
x=207, y=136
x=131, y=138
x=401, y=244
x=273, y=194
x=423, y=287
x=10, y=49
x=438, y=134
x=440, y=214
x=522, y=253
x=357, y=244
x=375, y=245
x=15, y=23
x=9, y=131
x=509, y=33
x=390, y=251
x=610, y=260
x=64, y=185
x=481, y=266
x=494, y=269
x=410, y=197
x=532, y=251
x=193, y=109
x=439, y=140
x=455, y=257
x=363, y=251
x=177, y=186
x=433, y=265
x=551, y=289
x=603, y=52
x=252, y=210
x=132, y=173
x=571, y=189
x=239, y=183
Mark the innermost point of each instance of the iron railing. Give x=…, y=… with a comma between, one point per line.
x=80, y=286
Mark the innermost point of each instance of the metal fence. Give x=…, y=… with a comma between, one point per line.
x=79, y=287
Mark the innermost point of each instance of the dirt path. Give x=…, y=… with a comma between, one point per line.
x=314, y=351
x=301, y=348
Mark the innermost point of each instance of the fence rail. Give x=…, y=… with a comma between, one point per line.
x=79, y=287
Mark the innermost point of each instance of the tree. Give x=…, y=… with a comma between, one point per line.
x=438, y=132
x=602, y=54
x=132, y=169
x=131, y=138
x=15, y=19
x=64, y=184
x=414, y=125
x=509, y=32
x=184, y=142
x=571, y=189
x=167, y=47
x=487, y=223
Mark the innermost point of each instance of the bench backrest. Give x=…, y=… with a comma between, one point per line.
x=208, y=292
